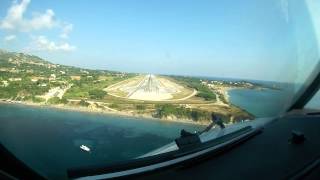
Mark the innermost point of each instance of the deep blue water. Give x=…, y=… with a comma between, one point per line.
x=48, y=139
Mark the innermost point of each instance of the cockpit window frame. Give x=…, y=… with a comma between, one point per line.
x=306, y=94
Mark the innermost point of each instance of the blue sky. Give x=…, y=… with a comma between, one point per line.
x=241, y=39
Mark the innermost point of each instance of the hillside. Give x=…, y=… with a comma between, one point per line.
x=25, y=77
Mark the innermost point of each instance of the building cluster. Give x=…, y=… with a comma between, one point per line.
x=214, y=83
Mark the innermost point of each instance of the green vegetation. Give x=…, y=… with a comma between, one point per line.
x=203, y=91
x=84, y=103
x=208, y=96
x=114, y=106
x=36, y=99
x=92, y=87
x=56, y=100
x=23, y=88
x=24, y=77
x=97, y=94
x=165, y=110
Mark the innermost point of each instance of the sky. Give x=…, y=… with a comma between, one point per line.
x=246, y=39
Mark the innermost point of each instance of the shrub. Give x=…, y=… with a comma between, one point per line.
x=84, y=103
x=97, y=94
x=114, y=106
x=54, y=100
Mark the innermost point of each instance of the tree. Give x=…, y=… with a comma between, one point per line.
x=84, y=103
x=97, y=94
x=208, y=96
x=54, y=100
x=64, y=100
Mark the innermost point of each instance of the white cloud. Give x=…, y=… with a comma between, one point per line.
x=15, y=20
x=66, y=31
x=43, y=21
x=14, y=15
x=9, y=38
x=41, y=43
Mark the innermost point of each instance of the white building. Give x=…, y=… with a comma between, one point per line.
x=52, y=77
x=15, y=79
x=43, y=85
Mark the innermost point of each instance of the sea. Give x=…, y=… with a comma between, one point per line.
x=48, y=139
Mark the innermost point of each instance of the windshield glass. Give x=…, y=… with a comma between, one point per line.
x=96, y=82
x=314, y=103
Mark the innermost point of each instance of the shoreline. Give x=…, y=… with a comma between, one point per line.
x=223, y=91
x=102, y=112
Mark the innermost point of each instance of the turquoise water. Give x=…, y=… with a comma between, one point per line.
x=261, y=103
x=48, y=139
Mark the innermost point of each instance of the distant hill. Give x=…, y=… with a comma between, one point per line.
x=26, y=77
x=20, y=57
x=23, y=61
